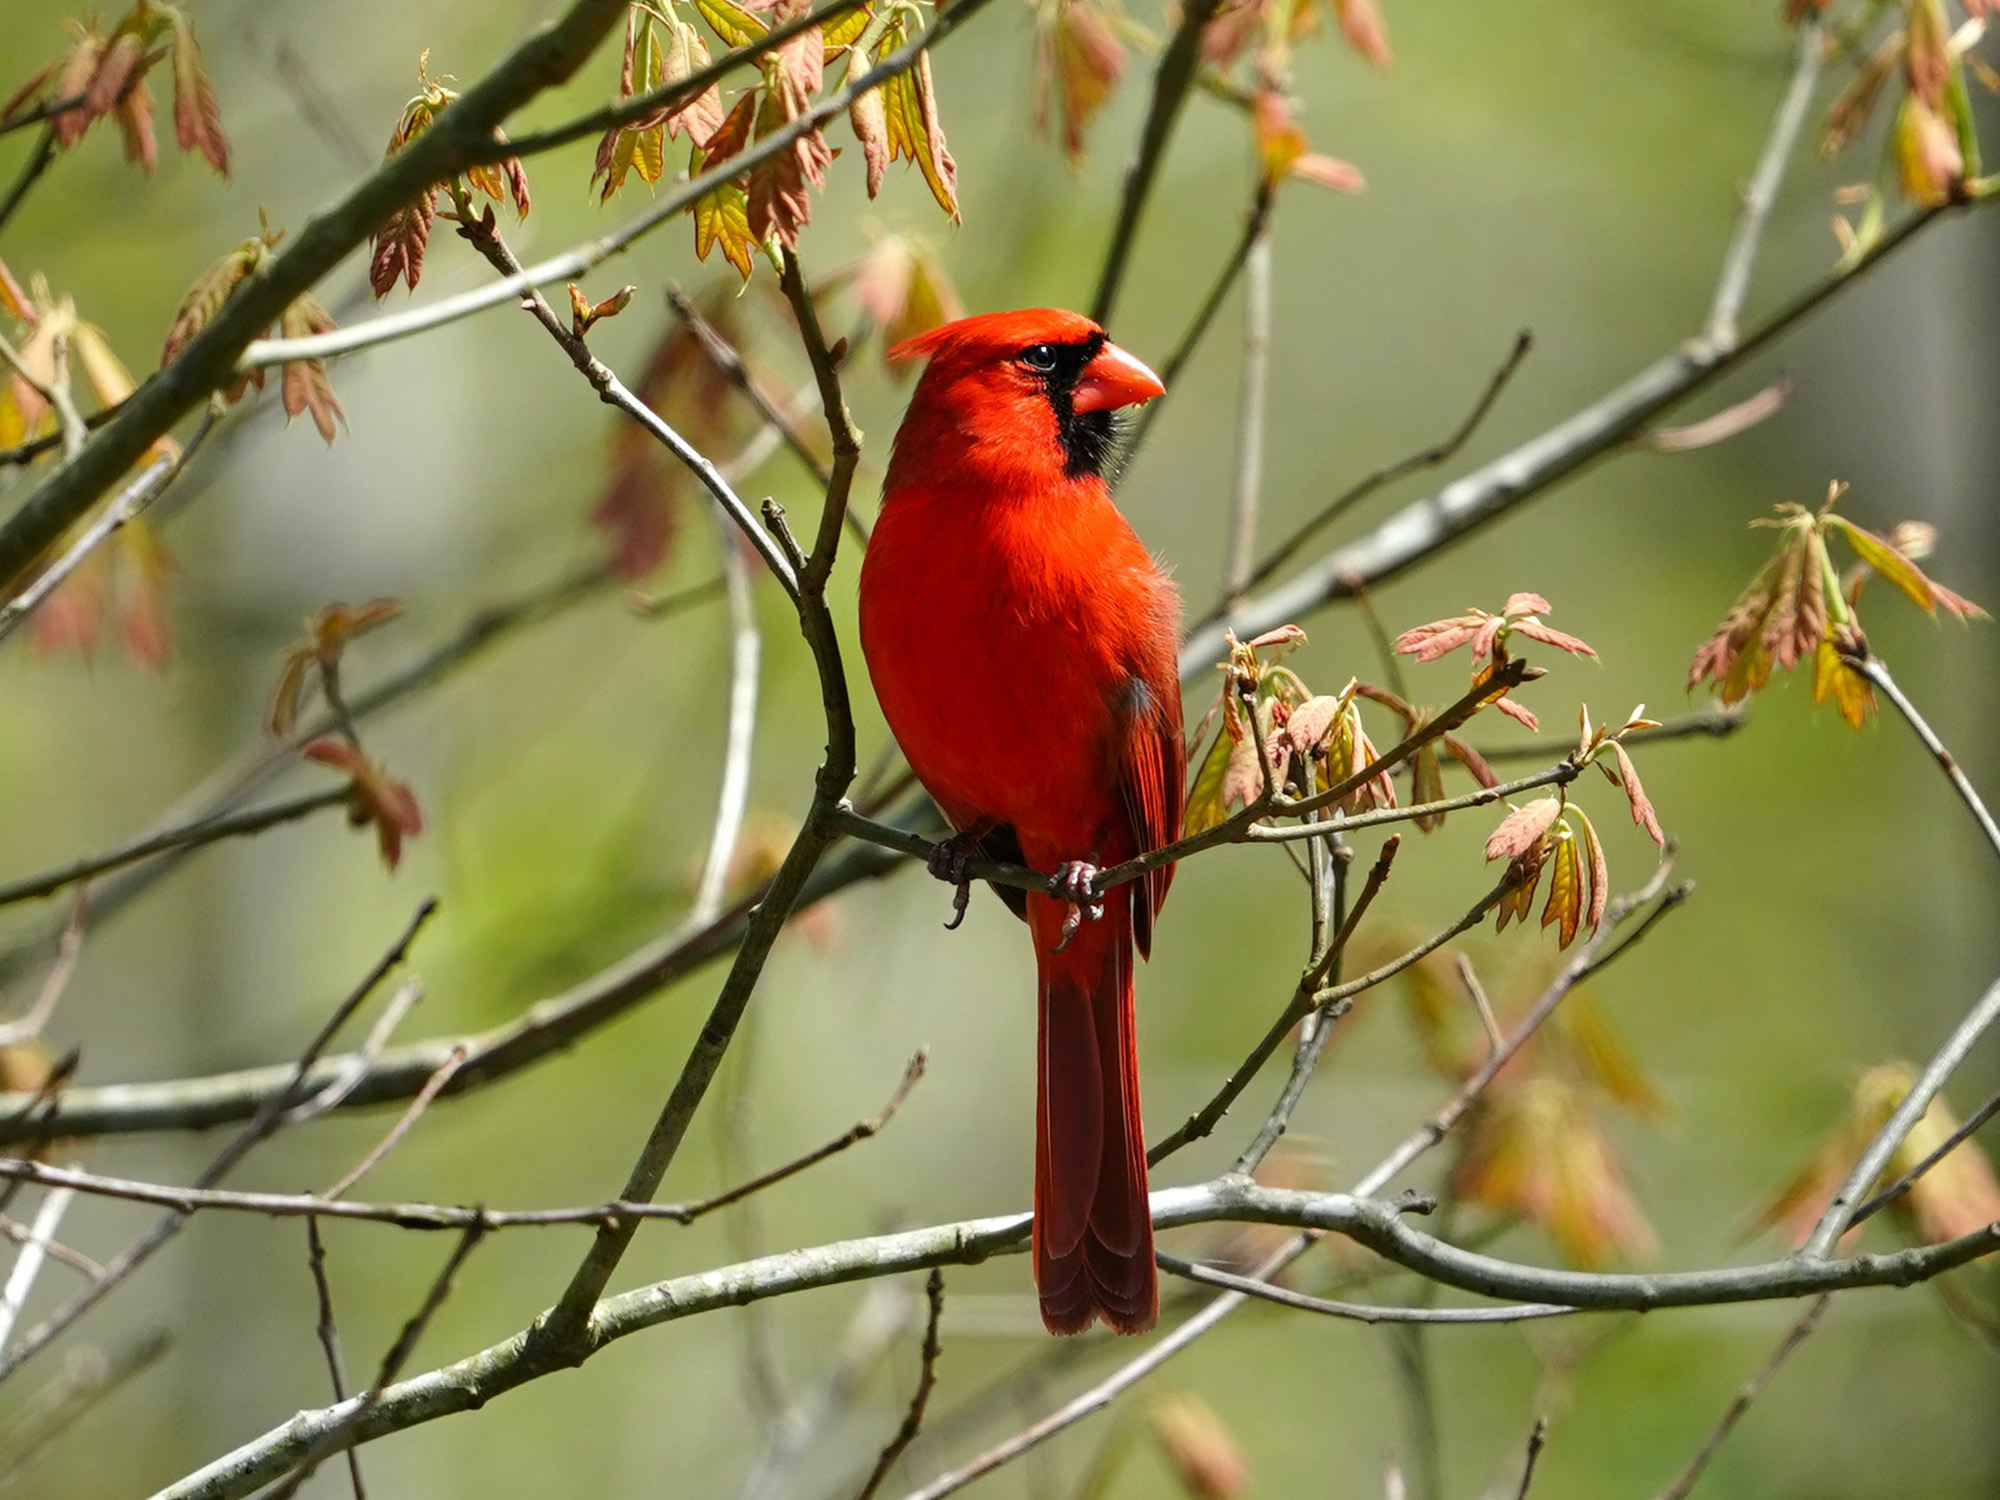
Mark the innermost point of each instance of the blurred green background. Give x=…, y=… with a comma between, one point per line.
x=1567, y=167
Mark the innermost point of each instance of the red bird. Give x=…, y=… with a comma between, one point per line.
x=1023, y=646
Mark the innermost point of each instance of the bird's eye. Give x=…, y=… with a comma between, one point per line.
x=1040, y=358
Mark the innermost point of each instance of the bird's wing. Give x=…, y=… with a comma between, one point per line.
x=1152, y=781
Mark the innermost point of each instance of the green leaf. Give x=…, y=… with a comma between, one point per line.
x=1887, y=561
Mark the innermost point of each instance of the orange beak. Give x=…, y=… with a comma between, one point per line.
x=1114, y=379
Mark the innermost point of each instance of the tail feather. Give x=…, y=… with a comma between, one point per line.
x=1093, y=1226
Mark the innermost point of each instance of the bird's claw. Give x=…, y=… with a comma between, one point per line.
x=948, y=861
x=1072, y=882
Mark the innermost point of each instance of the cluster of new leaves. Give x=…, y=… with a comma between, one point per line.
x=1278, y=734
x=305, y=387
x=1911, y=49
x=1538, y=1147
x=1798, y=607
x=397, y=250
x=1956, y=1196
x=128, y=575
x=1549, y=835
x=374, y=797
x=1245, y=55
x=765, y=206
x=103, y=75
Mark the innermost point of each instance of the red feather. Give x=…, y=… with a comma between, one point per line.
x=1023, y=646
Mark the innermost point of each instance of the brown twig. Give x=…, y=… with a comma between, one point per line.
x=1536, y=1439
x=913, y=1419
x=329, y=1343
x=1752, y=1389
x=433, y=1086
x=1402, y=468
x=267, y=1119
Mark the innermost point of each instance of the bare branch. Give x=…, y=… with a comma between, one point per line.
x=1752, y=1389
x=913, y=1419
x=1877, y=671
x=1840, y=1212
x=1762, y=193
x=185, y=837
x=1171, y=80
x=1536, y=1439
x=1359, y=1312
x=267, y=1119
x=573, y=264
x=1416, y=463
x=329, y=1342
x=1250, y=418
x=1427, y=525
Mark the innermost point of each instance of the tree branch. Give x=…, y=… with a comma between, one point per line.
x=573, y=263
x=1377, y=1226
x=547, y=58
x=1178, y=65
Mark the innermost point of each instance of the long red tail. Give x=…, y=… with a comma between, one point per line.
x=1093, y=1227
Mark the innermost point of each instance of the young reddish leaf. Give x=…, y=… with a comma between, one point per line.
x=1523, y=828
x=1306, y=730
x=1472, y=760
x=1283, y=150
x=211, y=289
x=77, y=70
x=1078, y=62
x=904, y=290
x=399, y=245
x=686, y=55
x=779, y=201
x=1834, y=678
x=1891, y=564
x=114, y=73
x=1535, y=630
x=1642, y=805
x=28, y=93
x=375, y=797
x=1199, y=1448
x=868, y=117
x=306, y=387
x=134, y=113
x=197, y=117
x=1361, y=23
x=1599, y=871
x=1520, y=713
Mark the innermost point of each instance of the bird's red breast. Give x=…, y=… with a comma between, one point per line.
x=1023, y=646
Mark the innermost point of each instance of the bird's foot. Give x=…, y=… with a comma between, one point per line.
x=1072, y=882
x=948, y=861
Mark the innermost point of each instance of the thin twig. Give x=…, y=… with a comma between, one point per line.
x=732, y=798
x=31, y=171
x=392, y=1365
x=913, y=1419
x=1950, y=1144
x=355, y=1067
x=185, y=837
x=433, y=1086
x=1250, y=419
x=1596, y=952
x=329, y=1343
x=84, y=1380
x=1536, y=1439
x=1178, y=65
x=268, y=1118
x=31, y=1257
x=1839, y=1214
x=69, y=949
x=1762, y=193
x=1469, y=977
x=1716, y=722
x=1877, y=671
x=1361, y=489
x=728, y=360
x=1752, y=1389
x=1254, y=226
x=1360, y=1312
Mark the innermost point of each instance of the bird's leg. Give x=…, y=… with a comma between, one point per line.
x=947, y=862
x=1072, y=881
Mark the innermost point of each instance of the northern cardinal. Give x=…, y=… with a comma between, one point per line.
x=1023, y=646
